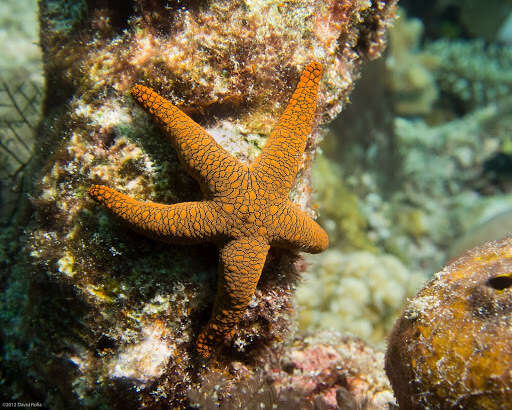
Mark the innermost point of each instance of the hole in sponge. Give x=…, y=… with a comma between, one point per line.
x=501, y=282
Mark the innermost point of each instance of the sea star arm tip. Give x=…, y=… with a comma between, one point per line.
x=282, y=154
x=295, y=229
x=242, y=261
x=179, y=223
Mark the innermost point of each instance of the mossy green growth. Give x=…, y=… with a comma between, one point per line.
x=66, y=14
x=8, y=244
x=339, y=208
x=507, y=146
x=412, y=220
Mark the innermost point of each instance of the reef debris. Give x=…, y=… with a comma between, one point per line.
x=324, y=371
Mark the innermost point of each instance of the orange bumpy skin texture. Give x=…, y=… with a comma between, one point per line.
x=246, y=208
x=452, y=347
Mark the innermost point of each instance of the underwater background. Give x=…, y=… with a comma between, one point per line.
x=414, y=170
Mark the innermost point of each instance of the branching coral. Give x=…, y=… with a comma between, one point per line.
x=408, y=69
x=472, y=73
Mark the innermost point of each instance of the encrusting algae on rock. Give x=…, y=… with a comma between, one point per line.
x=452, y=346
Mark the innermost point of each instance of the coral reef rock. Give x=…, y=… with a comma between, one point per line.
x=334, y=372
x=325, y=371
x=451, y=347
x=98, y=316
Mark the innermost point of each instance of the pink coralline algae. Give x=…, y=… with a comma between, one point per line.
x=325, y=371
x=334, y=372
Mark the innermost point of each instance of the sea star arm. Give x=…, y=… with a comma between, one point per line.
x=242, y=261
x=294, y=229
x=279, y=161
x=210, y=164
x=179, y=223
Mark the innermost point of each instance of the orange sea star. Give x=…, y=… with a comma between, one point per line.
x=246, y=208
